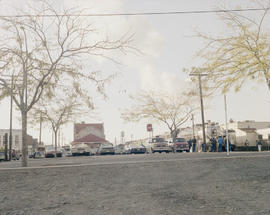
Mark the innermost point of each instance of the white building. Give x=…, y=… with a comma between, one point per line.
x=17, y=140
x=239, y=131
x=249, y=130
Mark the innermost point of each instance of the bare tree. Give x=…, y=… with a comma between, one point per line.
x=58, y=110
x=241, y=56
x=39, y=50
x=171, y=110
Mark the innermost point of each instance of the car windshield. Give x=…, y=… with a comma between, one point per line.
x=158, y=140
x=181, y=140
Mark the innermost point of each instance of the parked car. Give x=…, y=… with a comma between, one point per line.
x=15, y=155
x=106, y=149
x=127, y=149
x=50, y=152
x=2, y=156
x=138, y=150
x=66, y=151
x=159, y=144
x=80, y=149
x=39, y=154
x=31, y=155
x=180, y=145
x=120, y=149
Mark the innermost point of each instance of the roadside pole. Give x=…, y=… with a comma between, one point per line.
x=226, y=121
x=40, y=127
x=193, y=131
x=199, y=74
x=10, y=118
x=6, y=146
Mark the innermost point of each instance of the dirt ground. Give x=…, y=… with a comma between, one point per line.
x=239, y=185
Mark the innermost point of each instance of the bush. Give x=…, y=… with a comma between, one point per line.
x=250, y=148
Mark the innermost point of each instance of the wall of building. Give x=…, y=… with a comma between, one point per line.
x=16, y=140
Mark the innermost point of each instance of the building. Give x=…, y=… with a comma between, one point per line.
x=238, y=132
x=17, y=140
x=91, y=134
x=249, y=130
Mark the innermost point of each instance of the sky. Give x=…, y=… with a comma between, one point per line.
x=168, y=45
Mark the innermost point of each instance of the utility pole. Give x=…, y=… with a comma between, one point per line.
x=199, y=74
x=226, y=121
x=40, y=127
x=192, y=119
x=59, y=131
x=6, y=146
x=10, y=118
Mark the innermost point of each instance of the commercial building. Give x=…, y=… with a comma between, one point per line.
x=91, y=134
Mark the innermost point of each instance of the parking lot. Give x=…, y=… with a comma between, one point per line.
x=180, y=183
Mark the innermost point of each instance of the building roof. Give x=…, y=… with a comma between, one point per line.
x=90, y=138
x=82, y=134
x=80, y=126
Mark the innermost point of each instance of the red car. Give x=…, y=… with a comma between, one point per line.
x=180, y=145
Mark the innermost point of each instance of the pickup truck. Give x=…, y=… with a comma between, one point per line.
x=158, y=144
x=180, y=145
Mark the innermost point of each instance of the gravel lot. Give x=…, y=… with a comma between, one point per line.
x=139, y=184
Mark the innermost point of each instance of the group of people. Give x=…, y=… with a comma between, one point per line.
x=196, y=145
x=192, y=143
x=217, y=144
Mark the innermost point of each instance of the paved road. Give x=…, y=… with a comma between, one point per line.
x=206, y=183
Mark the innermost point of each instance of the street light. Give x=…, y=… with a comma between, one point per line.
x=199, y=74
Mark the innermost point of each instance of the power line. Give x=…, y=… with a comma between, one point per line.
x=139, y=13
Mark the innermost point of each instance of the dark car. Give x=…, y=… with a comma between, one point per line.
x=138, y=150
x=180, y=145
x=50, y=152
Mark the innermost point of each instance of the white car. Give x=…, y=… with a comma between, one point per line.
x=158, y=144
x=106, y=149
x=66, y=151
x=80, y=149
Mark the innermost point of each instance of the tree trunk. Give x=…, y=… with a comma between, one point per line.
x=174, y=134
x=55, y=143
x=24, y=139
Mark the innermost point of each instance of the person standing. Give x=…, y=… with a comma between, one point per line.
x=259, y=143
x=194, y=143
x=213, y=144
x=246, y=144
x=190, y=144
x=220, y=143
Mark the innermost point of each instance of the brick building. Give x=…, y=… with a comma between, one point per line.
x=91, y=134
